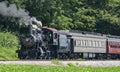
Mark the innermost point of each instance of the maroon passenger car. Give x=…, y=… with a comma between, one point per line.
x=114, y=45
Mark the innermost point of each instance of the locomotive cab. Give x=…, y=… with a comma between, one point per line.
x=50, y=35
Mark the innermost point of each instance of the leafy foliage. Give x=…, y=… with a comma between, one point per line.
x=62, y=22
x=8, y=45
x=8, y=40
x=89, y=15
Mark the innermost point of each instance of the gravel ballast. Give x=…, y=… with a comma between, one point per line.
x=65, y=63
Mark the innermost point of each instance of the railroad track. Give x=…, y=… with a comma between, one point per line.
x=59, y=60
x=81, y=59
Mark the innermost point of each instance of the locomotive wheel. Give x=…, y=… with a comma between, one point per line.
x=59, y=56
x=21, y=55
x=64, y=56
x=48, y=56
x=32, y=54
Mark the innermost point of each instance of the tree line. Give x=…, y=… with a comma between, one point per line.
x=102, y=16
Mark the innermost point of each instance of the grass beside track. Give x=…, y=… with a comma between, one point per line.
x=32, y=68
x=8, y=46
x=7, y=53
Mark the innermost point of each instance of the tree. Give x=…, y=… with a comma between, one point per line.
x=41, y=9
x=62, y=22
x=83, y=20
x=88, y=15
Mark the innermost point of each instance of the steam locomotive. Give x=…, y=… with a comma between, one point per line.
x=49, y=43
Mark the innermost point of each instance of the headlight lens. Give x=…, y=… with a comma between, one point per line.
x=27, y=41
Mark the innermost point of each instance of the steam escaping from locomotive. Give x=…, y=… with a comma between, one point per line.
x=11, y=10
x=33, y=19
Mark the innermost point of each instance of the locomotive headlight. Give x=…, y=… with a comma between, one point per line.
x=27, y=41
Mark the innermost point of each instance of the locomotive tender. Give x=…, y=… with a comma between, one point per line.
x=67, y=44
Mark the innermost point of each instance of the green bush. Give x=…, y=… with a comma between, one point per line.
x=8, y=40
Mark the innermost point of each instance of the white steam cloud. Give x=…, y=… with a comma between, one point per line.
x=11, y=10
